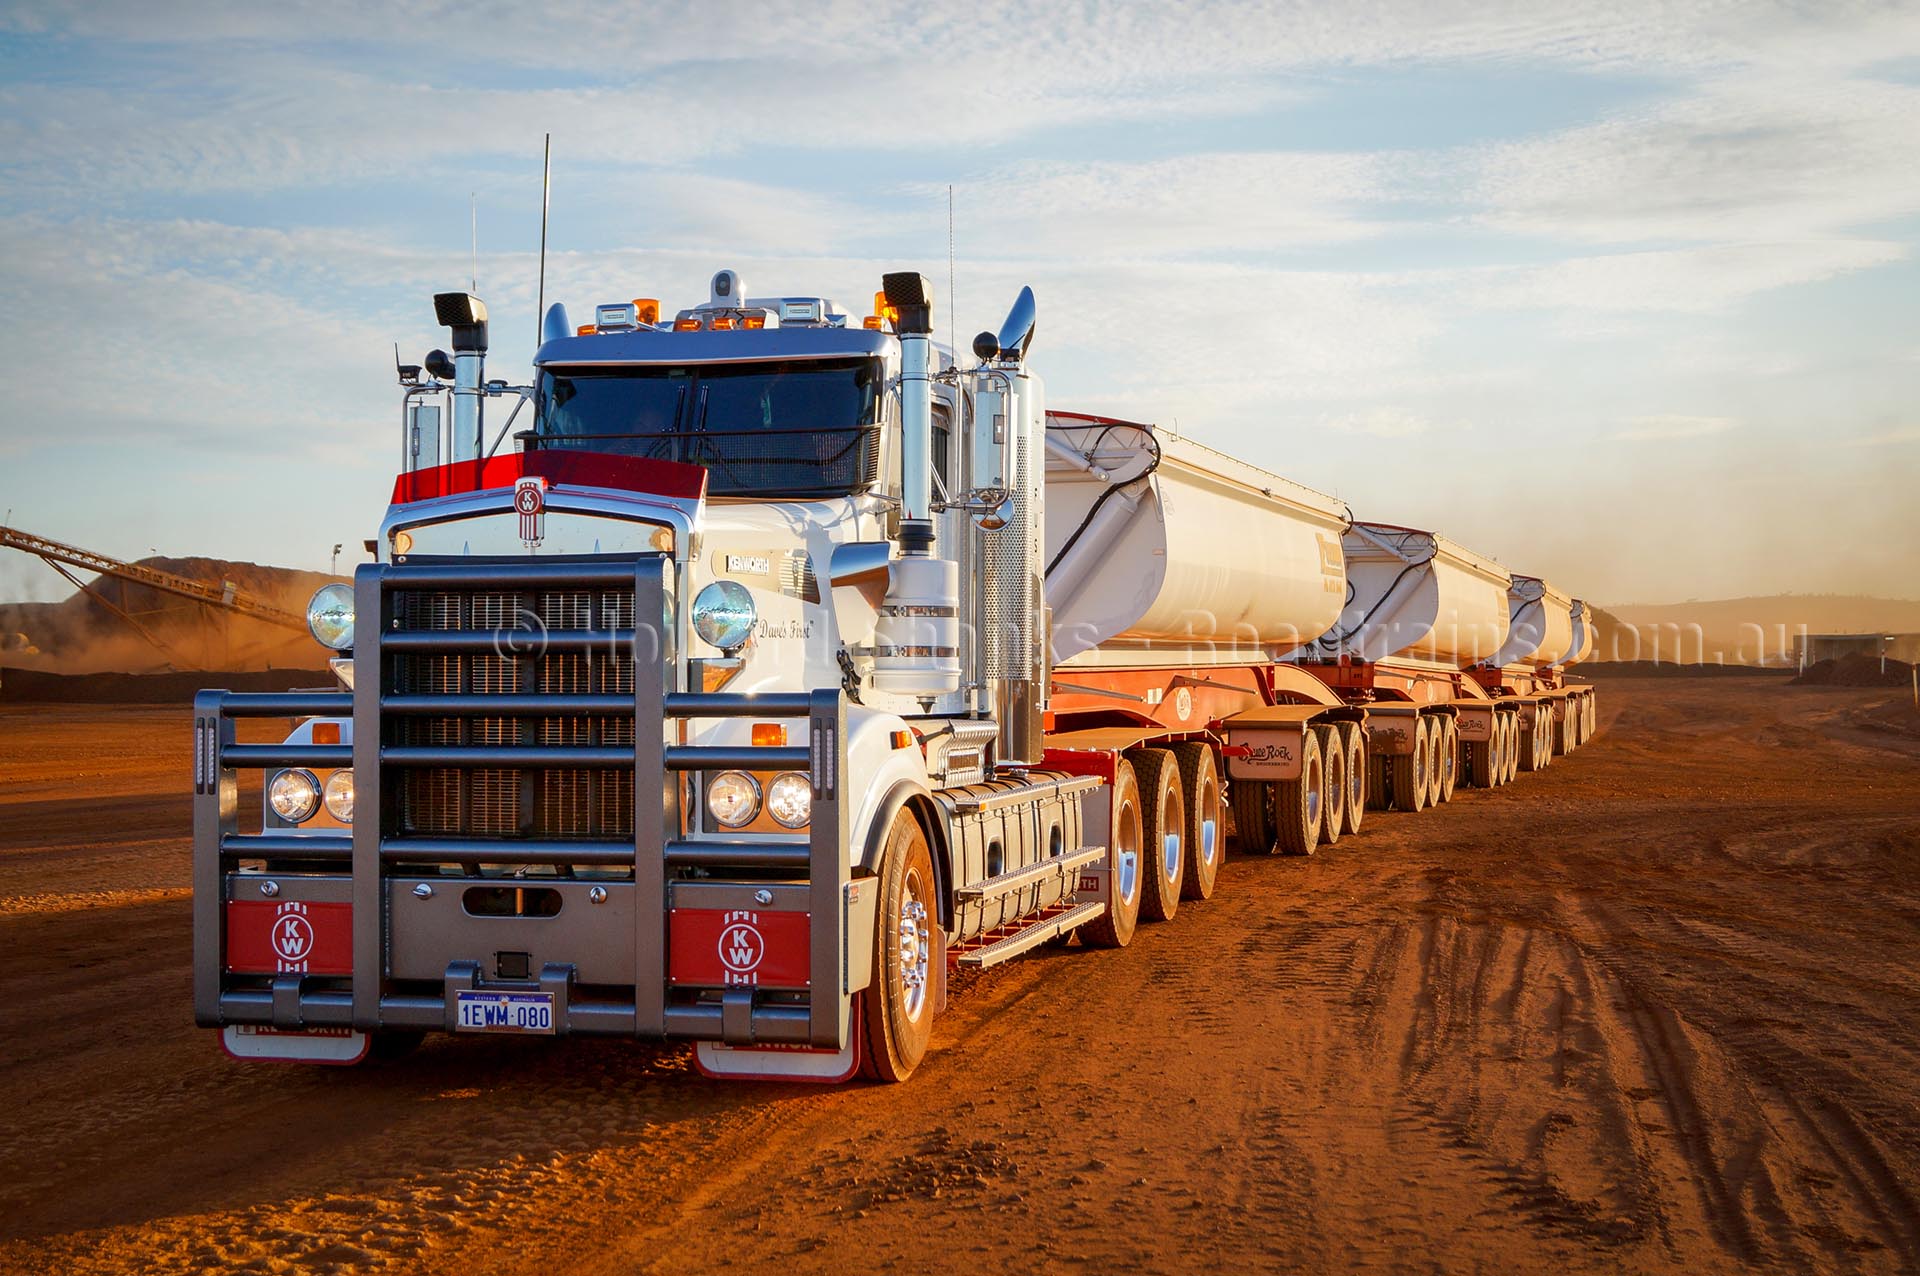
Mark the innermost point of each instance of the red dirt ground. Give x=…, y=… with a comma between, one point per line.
x=1654, y=1010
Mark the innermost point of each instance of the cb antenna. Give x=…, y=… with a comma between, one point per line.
x=473, y=211
x=546, y=202
x=953, y=321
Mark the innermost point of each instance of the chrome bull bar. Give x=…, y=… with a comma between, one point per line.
x=361, y=867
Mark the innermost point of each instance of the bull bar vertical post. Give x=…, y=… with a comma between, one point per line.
x=655, y=813
x=827, y=870
x=369, y=904
x=216, y=813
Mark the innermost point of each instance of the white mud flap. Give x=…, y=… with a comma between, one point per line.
x=337, y=1046
x=783, y=1063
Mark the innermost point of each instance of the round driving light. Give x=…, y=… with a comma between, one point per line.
x=723, y=614
x=294, y=795
x=790, y=799
x=733, y=799
x=330, y=616
x=339, y=795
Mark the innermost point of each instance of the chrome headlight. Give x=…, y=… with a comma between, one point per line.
x=733, y=798
x=723, y=614
x=294, y=795
x=330, y=616
x=790, y=799
x=339, y=795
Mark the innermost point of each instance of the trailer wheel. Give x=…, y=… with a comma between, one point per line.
x=1206, y=820
x=1592, y=727
x=1511, y=766
x=897, y=1004
x=1533, y=737
x=1409, y=778
x=1252, y=803
x=1449, y=739
x=1379, y=786
x=1114, y=928
x=1479, y=759
x=1333, y=765
x=1566, y=727
x=1436, y=731
x=1163, y=809
x=1299, y=805
x=1359, y=768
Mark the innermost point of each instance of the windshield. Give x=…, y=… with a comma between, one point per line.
x=796, y=428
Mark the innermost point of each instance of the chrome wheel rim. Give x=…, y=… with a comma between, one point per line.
x=916, y=947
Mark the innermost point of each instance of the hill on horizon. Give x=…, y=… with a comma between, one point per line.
x=1747, y=631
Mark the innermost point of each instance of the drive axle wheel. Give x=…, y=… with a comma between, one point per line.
x=1333, y=765
x=897, y=1004
x=1163, y=809
x=1409, y=778
x=1358, y=769
x=1206, y=820
x=1125, y=866
x=1298, y=804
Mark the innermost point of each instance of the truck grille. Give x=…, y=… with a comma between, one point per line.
x=544, y=803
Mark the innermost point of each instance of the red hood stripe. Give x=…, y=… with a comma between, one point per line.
x=672, y=479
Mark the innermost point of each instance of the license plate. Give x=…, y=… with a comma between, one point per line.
x=504, y=1011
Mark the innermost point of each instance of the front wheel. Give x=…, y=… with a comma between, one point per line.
x=897, y=1004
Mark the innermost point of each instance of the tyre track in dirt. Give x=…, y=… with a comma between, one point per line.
x=1653, y=1010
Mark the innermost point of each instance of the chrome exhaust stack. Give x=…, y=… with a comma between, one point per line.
x=466, y=315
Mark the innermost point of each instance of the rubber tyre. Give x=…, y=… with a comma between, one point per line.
x=1333, y=769
x=1299, y=805
x=1206, y=818
x=897, y=1003
x=1408, y=777
x=1358, y=769
x=1593, y=719
x=1379, y=782
x=1566, y=728
x=1531, y=740
x=1163, y=809
x=1252, y=802
x=1435, y=731
x=1479, y=761
x=1449, y=740
x=1114, y=928
x=1513, y=749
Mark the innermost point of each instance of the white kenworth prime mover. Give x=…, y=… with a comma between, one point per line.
x=782, y=661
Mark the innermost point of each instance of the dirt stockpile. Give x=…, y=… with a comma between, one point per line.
x=1653, y=1010
x=1856, y=671
x=83, y=634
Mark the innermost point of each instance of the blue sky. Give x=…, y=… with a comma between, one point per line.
x=1625, y=296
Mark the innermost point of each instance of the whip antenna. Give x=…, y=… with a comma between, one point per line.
x=473, y=211
x=953, y=322
x=546, y=201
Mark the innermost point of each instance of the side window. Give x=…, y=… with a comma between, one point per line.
x=942, y=450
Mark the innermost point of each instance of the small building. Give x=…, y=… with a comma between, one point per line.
x=1813, y=648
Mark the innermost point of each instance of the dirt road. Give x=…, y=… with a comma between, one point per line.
x=1655, y=1010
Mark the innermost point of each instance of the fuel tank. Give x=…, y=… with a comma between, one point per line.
x=1540, y=628
x=1156, y=545
x=1415, y=595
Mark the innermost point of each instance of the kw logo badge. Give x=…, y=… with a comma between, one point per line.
x=292, y=936
x=741, y=947
x=530, y=500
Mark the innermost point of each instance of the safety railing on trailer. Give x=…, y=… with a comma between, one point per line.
x=657, y=852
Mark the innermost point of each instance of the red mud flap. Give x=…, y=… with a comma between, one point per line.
x=338, y=1046
x=783, y=1063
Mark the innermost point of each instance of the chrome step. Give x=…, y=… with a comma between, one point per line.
x=1043, y=928
x=1046, y=870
